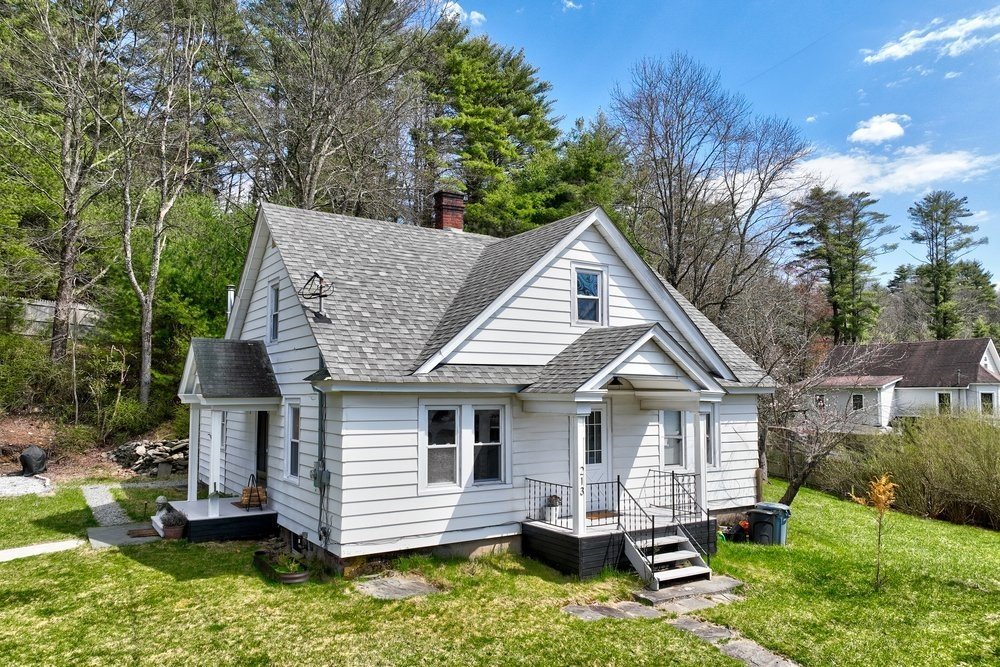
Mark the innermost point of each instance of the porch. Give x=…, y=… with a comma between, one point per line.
x=221, y=519
x=661, y=531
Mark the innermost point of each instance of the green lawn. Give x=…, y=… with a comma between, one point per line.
x=174, y=603
x=140, y=503
x=814, y=602
x=30, y=519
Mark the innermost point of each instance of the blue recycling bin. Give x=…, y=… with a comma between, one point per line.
x=769, y=523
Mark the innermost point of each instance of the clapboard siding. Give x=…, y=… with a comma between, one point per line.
x=635, y=437
x=542, y=311
x=733, y=483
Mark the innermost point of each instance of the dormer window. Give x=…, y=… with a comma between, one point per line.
x=589, y=296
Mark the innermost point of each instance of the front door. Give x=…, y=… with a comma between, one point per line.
x=261, y=471
x=599, y=492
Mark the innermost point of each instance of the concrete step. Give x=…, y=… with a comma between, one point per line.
x=682, y=573
x=675, y=556
x=663, y=541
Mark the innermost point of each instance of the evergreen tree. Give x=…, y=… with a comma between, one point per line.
x=839, y=237
x=937, y=225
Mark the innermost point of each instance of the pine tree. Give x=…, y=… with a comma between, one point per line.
x=937, y=225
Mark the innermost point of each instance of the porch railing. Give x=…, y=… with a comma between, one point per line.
x=549, y=502
x=678, y=492
x=603, y=503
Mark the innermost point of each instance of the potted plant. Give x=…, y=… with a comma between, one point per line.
x=552, y=509
x=173, y=523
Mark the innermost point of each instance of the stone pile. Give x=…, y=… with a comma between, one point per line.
x=143, y=456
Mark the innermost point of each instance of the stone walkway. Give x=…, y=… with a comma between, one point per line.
x=682, y=600
x=106, y=509
x=38, y=549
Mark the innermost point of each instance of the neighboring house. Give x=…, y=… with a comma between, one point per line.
x=885, y=382
x=464, y=384
x=36, y=317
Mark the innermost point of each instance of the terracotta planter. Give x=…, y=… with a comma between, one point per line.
x=173, y=532
x=264, y=566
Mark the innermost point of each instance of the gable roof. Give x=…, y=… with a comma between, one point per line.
x=233, y=368
x=587, y=355
x=935, y=363
x=402, y=292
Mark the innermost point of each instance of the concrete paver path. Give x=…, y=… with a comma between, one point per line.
x=38, y=549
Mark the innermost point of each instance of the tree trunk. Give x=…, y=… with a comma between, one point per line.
x=796, y=482
x=65, y=288
x=146, y=352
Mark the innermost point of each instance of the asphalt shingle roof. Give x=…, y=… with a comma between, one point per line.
x=234, y=368
x=401, y=292
x=585, y=356
x=933, y=363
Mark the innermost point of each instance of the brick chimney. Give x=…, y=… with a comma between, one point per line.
x=449, y=210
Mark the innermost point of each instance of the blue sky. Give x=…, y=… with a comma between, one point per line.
x=897, y=98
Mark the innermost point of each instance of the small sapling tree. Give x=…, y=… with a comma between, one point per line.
x=881, y=495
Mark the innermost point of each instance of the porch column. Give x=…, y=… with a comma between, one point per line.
x=700, y=461
x=215, y=453
x=578, y=465
x=194, y=451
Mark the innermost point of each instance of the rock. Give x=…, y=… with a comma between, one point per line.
x=143, y=456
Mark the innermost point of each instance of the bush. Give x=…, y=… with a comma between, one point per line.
x=179, y=422
x=127, y=418
x=74, y=439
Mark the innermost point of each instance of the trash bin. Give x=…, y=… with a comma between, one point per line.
x=769, y=523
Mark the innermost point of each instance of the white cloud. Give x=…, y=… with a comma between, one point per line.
x=880, y=128
x=910, y=169
x=952, y=75
x=456, y=12
x=569, y=4
x=810, y=119
x=952, y=40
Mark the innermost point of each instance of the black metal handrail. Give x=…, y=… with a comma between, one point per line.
x=678, y=492
x=548, y=502
x=603, y=501
x=635, y=521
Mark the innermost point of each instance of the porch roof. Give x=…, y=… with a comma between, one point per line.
x=229, y=369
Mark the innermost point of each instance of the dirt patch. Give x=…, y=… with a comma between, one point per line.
x=16, y=433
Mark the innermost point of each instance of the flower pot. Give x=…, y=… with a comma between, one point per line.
x=173, y=532
x=265, y=567
x=551, y=514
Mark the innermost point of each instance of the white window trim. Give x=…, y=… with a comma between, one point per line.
x=466, y=445
x=716, y=432
x=991, y=394
x=287, y=473
x=273, y=331
x=684, y=441
x=602, y=290
x=854, y=409
x=951, y=402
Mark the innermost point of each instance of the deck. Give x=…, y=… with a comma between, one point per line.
x=230, y=523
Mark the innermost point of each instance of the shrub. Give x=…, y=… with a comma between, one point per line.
x=127, y=418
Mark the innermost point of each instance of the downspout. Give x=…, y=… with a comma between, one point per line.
x=320, y=474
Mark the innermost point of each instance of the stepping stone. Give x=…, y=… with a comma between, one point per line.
x=396, y=588
x=619, y=610
x=638, y=610
x=754, y=654
x=106, y=537
x=584, y=613
x=709, y=632
x=717, y=585
x=608, y=611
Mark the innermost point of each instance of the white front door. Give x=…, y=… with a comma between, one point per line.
x=596, y=449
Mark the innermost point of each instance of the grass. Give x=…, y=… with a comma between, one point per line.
x=814, y=600
x=140, y=503
x=31, y=519
x=175, y=603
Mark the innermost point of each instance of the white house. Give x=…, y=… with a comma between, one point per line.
x=449, y=386
x=877, y=384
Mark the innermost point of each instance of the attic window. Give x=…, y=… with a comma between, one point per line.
x=589, y=296
x=273, y=308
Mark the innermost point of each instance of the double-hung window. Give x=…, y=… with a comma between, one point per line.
x=944, y=402
x=488, y=445
x=857, y=402
x=442, y=446
x=463, y=445
x=273, y=308
x=589, y=302
x=673, y=438
x=294, y=427
x=707, y=424
x=986, y=403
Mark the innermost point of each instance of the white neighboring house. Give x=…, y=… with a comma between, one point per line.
x=907, y=379
x=452, y=385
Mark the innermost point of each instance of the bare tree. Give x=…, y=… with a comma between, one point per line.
x=56, y=62
x=158, y=54
x=712, y=179
x=319, y=88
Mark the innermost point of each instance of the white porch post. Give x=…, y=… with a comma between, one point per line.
x=700, y=460
x=194, y=452
x=578, y=463
x=215, y=453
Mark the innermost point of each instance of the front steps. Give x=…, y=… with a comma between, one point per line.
x=666, y=560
